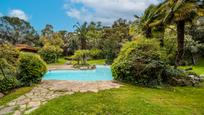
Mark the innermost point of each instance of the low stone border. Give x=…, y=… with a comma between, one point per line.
x=48, y=90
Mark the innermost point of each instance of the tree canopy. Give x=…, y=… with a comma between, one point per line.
x=17, y=31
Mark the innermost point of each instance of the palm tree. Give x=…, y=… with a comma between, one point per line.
x=180, y=12
x=82, y=31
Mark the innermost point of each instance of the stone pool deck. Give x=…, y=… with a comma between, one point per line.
x=50, y=89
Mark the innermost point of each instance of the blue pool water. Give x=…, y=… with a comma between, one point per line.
x=101, y=73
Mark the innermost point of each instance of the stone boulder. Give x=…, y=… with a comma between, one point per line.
x=89, y=67
x=202, y=77
x=68, y=63
x=194, y=79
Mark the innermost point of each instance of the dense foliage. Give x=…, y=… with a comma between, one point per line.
x=31, y=69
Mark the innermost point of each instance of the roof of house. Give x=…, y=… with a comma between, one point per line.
x=25, y=47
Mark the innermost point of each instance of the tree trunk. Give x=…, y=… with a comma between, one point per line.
x=78, y=61
x=83, y=43
x=180, y=41
x=193, y=59
x=83, y=60
x=162, y=41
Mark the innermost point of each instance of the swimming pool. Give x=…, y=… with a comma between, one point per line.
x=101, y=73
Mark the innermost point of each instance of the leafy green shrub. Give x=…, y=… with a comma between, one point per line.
x=8, y=83
x=50, y=53
x=139, y=62
x=31, y=69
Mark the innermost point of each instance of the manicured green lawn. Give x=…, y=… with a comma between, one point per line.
x=199, y=68
x=96, y=62
x=14, y=94
x=91, y=62
x=129, y=100
x=61, y=60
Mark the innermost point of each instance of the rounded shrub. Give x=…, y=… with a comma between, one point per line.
x=50, y=53
x=8, y=83
x=139, y=62
x=31, y=69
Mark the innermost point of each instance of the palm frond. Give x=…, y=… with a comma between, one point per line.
x=156, y=23
x=186, y=12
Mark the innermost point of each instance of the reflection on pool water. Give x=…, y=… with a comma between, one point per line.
x=101, y=73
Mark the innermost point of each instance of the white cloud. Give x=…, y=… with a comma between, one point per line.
x=106, y=11
x=74, y=13
x=18, y=13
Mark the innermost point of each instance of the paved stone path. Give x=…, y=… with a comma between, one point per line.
x=48, y=90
